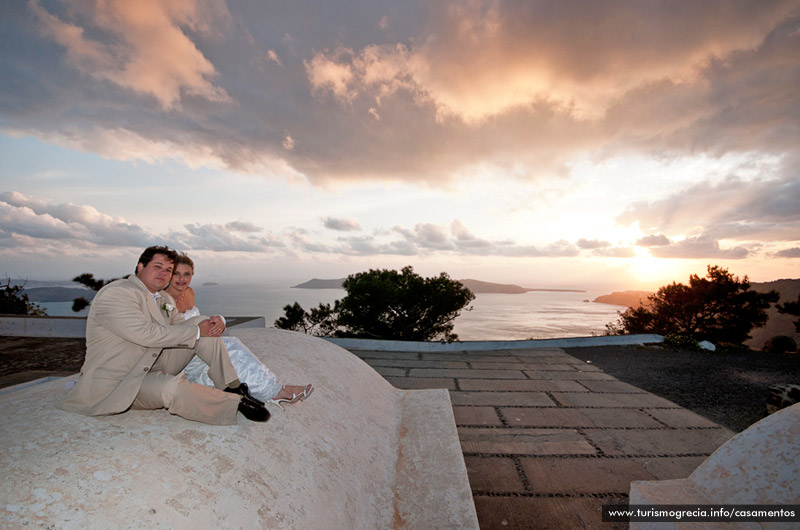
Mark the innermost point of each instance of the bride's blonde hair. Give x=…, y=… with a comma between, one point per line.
x=186, y=260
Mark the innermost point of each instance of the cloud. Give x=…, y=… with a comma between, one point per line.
x=34, y=221
x=604, y=249
x=430, y=236
x=592, y=244
x=461, y=231
x=763, y=209
x=518, y=89
x=788, y=253
x=242, y=226
x=34, y=217
x=23, y=221
x=699, y=247
x=298, y=238
x=372, y=246
x=614, y=252
x=653, y=240
x=479, y=59
x=467, y=241
x=482, y=76
x=341, y=224
x=272, y=55
x=148, y=50
x=221, y=238
x=426, y=239
x=326, y=73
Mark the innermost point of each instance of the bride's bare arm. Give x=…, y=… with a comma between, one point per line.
x=189, y=298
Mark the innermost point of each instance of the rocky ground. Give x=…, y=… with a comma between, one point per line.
x=727, y=388
x=730, y=388
x=26, y=358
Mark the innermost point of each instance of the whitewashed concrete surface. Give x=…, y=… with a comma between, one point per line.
x=759, y=466
x=75, y=327
x=489, y=345
x=358, y=453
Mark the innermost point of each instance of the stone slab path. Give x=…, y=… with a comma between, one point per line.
x=547, y=438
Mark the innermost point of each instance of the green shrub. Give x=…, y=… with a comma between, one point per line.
x=14, y=301
x=680, y=342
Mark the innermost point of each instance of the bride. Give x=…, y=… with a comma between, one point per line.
x=261, y=382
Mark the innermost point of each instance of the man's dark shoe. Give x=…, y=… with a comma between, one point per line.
x=252, y=410
x=242, y=390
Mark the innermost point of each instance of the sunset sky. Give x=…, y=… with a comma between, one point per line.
x=610, y=145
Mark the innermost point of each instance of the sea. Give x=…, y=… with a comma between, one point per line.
x=491, y=316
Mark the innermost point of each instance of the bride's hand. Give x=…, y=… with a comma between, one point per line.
x=217, y=326
x=205, y=328
x=211, y=327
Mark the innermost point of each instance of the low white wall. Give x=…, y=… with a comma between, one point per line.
x=75, y=327
x=488, y=345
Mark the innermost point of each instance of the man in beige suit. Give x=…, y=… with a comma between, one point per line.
x=136, y=349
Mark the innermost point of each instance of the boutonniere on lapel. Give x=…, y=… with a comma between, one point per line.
x=167, y=308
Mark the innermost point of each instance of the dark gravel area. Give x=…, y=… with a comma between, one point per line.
x=727, y=388
x=25, y=358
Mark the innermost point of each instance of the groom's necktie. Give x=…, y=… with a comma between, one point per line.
x=155, y=297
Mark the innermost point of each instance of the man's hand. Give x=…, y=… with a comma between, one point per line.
x=210, y=328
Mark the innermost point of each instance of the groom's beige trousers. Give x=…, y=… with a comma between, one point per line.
x=165, y=387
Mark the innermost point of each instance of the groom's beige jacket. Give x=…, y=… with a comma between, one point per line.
x=125, y=333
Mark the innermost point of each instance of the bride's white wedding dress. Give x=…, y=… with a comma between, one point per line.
x=261, y=382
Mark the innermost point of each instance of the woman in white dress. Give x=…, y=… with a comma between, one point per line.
x=261, y=382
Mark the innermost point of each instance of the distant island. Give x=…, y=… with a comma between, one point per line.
x=210, y=283
x=624, y=298
x=57, y=294
x=476, y=286
x=316, y=283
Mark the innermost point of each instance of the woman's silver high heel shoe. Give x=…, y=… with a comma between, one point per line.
x=306, y=392
x=295, y=397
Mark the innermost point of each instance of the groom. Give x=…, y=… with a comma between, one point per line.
x=136, y=349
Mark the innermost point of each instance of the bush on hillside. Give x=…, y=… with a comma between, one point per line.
x=780, y=344
x=15, y=302
x=791, y=308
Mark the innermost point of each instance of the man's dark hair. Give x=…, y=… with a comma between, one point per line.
x=150, y=252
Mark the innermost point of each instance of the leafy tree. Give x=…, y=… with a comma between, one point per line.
x=88, y=279
x=14, y=302
x=791, y=308
x=720, y=308
x=294, y=318
x=321, y=321
x=386, y=304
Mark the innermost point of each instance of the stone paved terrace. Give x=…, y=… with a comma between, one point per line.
x=547, y=438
